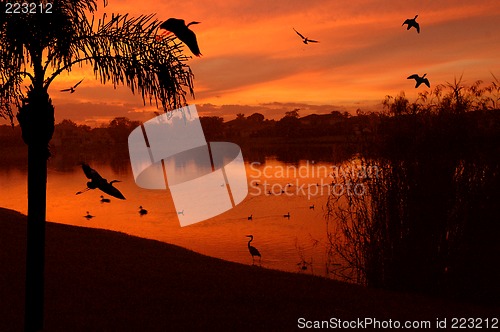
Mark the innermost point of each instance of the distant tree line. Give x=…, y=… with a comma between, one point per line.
x=290, y=127
x=404, y=121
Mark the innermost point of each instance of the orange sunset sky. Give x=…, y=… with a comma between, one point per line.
x=254, y=62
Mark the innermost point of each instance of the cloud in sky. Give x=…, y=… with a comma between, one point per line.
x=252, y=56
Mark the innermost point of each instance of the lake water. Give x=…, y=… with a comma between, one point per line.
x=283, y=242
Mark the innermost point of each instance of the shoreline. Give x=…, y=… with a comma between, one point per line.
x=105, y=280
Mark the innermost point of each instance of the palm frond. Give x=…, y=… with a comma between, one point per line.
x=121, y=50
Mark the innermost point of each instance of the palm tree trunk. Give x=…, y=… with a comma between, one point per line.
x=36, y=118
x=35, y=254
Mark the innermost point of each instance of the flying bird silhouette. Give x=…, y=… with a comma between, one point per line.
x=305, y=40
x=182, y=31
x=412, y=23
x=72, y=89
x=419, y=80
x=253, y=251
x=97, y=181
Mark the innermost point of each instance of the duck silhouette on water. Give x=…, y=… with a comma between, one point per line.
x=105, y=200
x=142, y=211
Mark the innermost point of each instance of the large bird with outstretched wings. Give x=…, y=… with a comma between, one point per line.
x=97, y=181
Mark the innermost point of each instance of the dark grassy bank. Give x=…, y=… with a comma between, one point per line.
x=106, y=281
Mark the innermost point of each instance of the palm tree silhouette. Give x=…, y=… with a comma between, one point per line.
x=37, y=49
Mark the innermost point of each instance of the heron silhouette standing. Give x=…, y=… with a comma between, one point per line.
x=305, y=40
x=97, y=181
x=253, y=251
x=182, y=31
x=419, y=80
x=412, y=23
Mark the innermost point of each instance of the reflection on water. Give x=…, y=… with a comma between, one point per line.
x=275, y=189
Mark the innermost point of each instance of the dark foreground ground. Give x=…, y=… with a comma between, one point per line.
x=107, y=281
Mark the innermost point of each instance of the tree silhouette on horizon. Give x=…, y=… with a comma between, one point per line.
x=34, y=50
